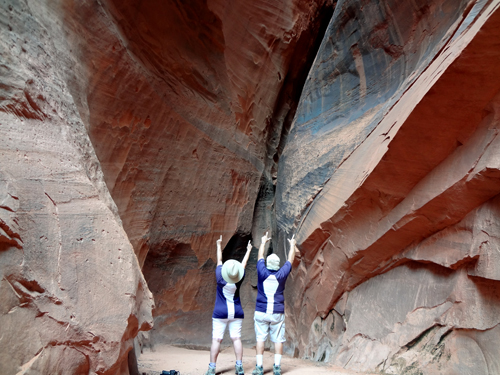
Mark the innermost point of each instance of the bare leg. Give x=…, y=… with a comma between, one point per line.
x=278, y=348
x=260, y=347
x=214, y=350
x=238, y=348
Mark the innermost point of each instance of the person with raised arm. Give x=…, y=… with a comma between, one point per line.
x=269, y=315
x=228, y=312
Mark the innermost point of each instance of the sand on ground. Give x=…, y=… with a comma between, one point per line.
x=195, y=362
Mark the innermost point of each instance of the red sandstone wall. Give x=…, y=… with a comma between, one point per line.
x=72, y=295
x=179, y=104
x=178, y=101
x=153, y=127
x=398, y=267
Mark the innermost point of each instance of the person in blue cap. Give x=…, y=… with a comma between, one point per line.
x=228, y=312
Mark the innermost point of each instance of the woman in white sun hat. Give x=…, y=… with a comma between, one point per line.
x=228, y=311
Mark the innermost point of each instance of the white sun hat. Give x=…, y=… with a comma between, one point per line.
x=273, y=262
x=232, y=271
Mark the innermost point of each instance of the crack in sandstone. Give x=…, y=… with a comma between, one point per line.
x=59, y=237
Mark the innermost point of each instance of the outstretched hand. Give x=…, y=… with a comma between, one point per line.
x=247, y=255
x=219, y=251
x=262, y=246
x=265, y=238
x=291, y=253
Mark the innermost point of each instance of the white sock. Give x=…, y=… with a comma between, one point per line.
x=259, y=359
x=277, y=359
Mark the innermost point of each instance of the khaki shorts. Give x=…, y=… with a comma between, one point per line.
x=219, y=327
x=269, y=323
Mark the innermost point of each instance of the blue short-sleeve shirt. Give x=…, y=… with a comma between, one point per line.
x=270, y=287
x=227, y=300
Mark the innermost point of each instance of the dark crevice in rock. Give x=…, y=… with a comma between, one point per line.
x=132, y=362
x=420, y=337
x=302, y=60
x=236, y=247
x=295, y=79
x=263, y=219
x=443, y=337
x=305, y=51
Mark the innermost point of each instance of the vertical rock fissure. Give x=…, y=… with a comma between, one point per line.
x=305, y=52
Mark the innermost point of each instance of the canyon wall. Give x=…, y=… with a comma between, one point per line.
x=72, y=295
x=135, y=133
x=170, y=115
x=185, y=104
x=390, y=178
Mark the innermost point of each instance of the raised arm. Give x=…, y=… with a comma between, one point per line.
x=263, y=242
x=247, y=255
x=291, y=254
x=219, y=251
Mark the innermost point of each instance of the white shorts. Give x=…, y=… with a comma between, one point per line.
x=219, y=327
x=274, y=323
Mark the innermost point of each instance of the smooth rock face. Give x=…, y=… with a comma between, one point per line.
x=184, y=105
x=391, y=179
x=72, y=293
x=179, y=105
x=135, y=133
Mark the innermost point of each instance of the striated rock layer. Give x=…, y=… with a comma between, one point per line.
x=184, y=104
x=180, y=105
x=391, y=178
x=72, y=295
x=135, y=133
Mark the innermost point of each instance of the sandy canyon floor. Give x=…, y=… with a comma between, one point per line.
x=195, y=362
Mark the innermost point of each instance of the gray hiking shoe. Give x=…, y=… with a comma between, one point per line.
x=276, y=370
x=259, y=370
x=211, y=371
x=238, y=370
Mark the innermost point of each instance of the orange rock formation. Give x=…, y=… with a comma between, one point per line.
x=135, y=133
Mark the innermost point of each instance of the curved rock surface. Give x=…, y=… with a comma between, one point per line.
x=391, y=178
x=178, y=101
x=72, y=294
x=135, y=133
x=181, y=106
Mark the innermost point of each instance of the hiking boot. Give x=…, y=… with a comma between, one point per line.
x=238, y=370
x=276, y=370
x=259, y=370
x=211, y=371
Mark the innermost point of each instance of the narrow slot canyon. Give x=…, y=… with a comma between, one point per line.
x=136, y=133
